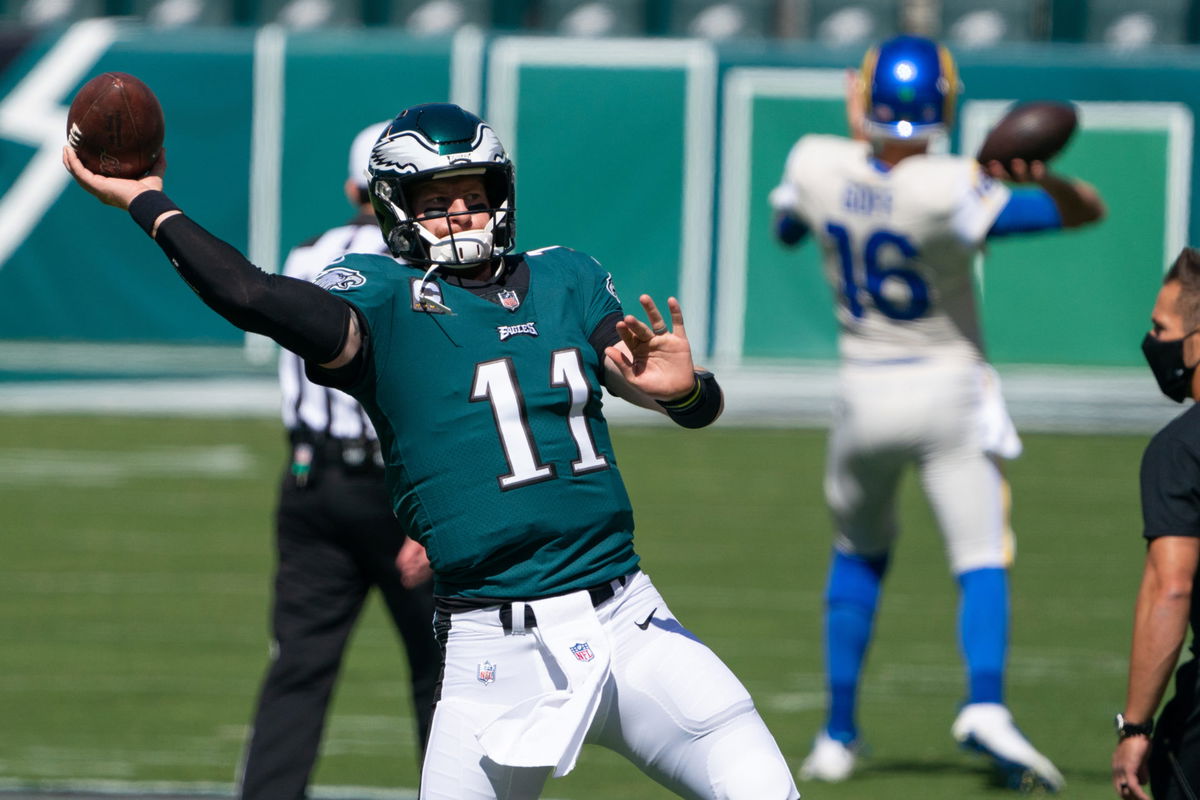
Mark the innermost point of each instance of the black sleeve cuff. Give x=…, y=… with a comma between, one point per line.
x=148, y=206
x=350, y=375
x=701, y=406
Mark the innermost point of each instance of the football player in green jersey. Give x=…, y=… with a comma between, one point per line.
x=482, y=369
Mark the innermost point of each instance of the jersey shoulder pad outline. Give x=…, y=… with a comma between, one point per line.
x=567, y=257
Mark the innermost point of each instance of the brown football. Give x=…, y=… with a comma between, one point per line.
x=116, y=125
x=1034, y=131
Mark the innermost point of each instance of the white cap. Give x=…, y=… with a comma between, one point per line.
x=360, y=152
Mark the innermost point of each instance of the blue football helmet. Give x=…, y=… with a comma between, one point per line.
x=910, y=85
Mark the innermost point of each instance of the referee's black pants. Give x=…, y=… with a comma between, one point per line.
x=1175, y=754
x=336, y=539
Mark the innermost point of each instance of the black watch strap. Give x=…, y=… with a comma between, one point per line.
x=1125, y=728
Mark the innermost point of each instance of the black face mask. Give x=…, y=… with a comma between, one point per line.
x=1165, y=358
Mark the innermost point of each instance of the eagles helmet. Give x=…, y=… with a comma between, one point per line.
x=909, y=87
x=428, y=142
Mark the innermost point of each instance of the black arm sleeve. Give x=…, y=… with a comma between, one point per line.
x=605, y=335
x=301, y=316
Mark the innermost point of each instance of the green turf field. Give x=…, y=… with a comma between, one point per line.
x=135, y=556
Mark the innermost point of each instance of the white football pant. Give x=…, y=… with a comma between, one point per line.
x=664, y=701
x=945, y=416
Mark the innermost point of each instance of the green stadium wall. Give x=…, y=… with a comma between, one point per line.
x=655, y=156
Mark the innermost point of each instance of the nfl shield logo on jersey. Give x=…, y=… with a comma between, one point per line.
x=583, y=651
x=509, y=299
x=487, y=673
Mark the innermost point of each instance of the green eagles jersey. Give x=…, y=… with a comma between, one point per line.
x=498, y=456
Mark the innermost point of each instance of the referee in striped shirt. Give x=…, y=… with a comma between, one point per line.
x=336, y=538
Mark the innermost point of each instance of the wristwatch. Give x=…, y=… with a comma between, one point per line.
x=1125, y=728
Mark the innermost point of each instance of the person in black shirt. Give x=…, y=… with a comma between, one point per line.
x=336, y=537
x=1167, y=753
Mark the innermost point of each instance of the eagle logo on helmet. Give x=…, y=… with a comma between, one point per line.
x=407, y=152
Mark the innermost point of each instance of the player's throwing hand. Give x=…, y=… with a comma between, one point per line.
x=1019, y=171
x=118, y=192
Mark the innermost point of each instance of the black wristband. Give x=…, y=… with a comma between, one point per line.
x=698, y=407
x=147, y=207
x=1125, y=729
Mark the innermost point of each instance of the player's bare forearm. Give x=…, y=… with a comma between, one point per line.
x=616, y=384
x=1079, y=203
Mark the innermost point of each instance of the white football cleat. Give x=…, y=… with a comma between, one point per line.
x=829, y=761
x=989, y=729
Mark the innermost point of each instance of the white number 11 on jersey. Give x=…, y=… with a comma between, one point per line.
x=496, y=381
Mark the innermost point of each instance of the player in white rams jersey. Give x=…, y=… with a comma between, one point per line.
x=900, y=229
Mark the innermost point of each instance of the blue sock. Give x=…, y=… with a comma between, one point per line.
x=983, y=632
x=850, y=602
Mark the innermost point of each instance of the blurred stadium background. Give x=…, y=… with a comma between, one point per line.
x=965, y=23
x=138, y=442
x=671, y=144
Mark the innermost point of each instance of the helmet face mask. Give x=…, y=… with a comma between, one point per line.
x=433, y=142
x=910, y=85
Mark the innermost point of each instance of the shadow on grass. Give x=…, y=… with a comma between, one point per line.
x=990, y=779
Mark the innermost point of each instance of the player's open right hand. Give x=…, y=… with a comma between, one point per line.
x=654, y=359
x=118, y=192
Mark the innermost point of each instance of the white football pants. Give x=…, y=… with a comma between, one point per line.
x=665, y=702
x=946, y=417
